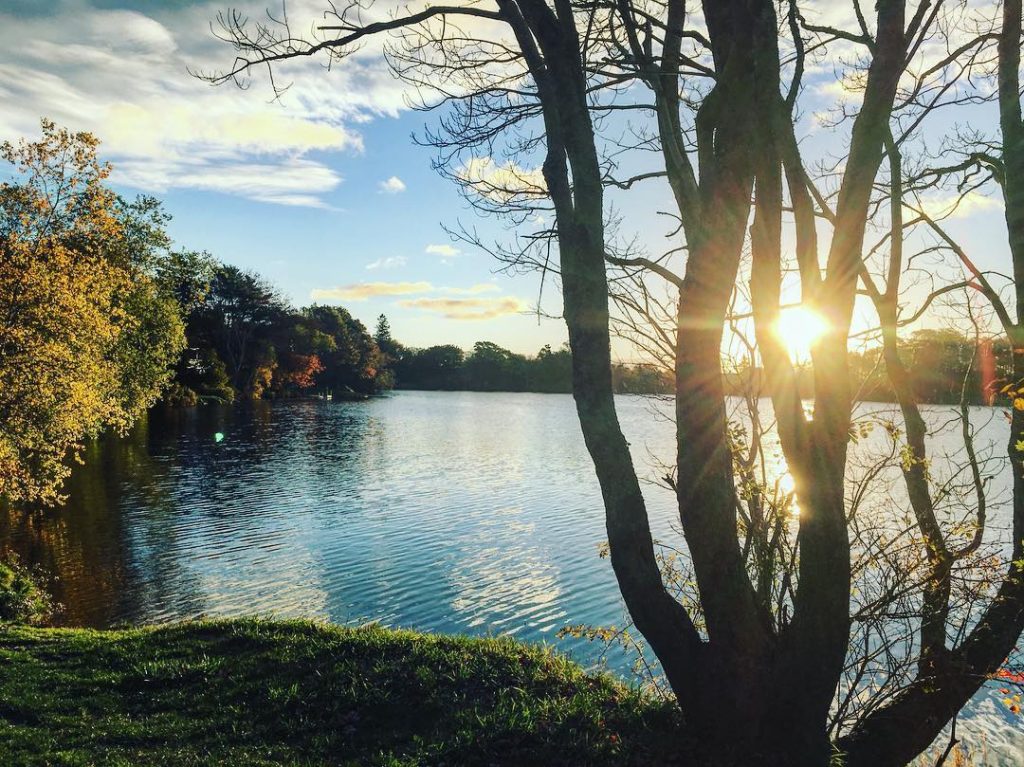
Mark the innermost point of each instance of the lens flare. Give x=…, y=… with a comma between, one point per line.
x=799, y=328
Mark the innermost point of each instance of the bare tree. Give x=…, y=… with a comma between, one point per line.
x=955, y=654
x=756, y=659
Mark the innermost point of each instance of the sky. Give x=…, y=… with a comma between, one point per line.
x=324, y=191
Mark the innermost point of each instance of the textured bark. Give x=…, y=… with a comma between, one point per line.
x=750, y=690
x=551, y=43
x=744, y=45
x=782, y=683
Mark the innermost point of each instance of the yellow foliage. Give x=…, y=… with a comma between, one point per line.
x=62, y=310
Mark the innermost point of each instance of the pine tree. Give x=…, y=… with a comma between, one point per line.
x=382, y=335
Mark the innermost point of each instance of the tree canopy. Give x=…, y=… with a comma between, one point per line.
x=88, y=333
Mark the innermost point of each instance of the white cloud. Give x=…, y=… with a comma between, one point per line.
x=286, y=182
x=122, y=74
x=839, y=89
x=445, y=251
x=392, y=262
x=393, y=185
x=503, y=182
x=468, y=308
x=952, y=205
x=364, y=290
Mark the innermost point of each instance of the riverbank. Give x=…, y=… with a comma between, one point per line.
x=255, y=692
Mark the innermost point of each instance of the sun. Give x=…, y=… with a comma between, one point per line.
x=799, y=327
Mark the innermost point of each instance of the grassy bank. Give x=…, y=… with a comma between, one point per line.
x=258, y=692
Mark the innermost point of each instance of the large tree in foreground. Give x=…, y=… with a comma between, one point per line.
x=759, y=655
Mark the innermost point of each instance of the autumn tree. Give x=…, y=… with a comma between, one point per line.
x=757, y=652
x=352, y=359
x=235, y=321
x=87, y=335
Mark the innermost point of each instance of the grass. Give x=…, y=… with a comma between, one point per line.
x=255, y=692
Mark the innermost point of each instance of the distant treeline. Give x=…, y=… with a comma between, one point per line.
x=944, y=366
x=246, y=341
x=243, y=340
x=490, y=367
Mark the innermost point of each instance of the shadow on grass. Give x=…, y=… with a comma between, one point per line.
x=262, y=692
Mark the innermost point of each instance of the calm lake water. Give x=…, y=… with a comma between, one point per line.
x=452, y=512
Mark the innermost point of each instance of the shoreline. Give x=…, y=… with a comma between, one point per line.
x=252, y=691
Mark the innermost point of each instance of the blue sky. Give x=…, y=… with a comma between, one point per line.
x=320, y=192
x=324, y=192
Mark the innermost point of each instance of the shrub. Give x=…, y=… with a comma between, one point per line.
x=23, y=600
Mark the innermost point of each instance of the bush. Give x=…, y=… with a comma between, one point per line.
x=179, y=395
x=22, y=599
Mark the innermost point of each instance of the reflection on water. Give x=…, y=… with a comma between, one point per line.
x=454, y=512
x=446, y=512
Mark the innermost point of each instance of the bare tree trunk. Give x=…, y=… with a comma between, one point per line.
x=551, y=45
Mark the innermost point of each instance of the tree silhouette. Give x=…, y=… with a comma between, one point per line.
x=757, y=652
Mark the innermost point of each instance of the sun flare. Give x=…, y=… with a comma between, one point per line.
x=799, y=328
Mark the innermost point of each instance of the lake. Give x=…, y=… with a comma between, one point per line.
x=452, y=512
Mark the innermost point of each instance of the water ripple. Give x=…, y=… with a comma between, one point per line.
x=461, y=512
